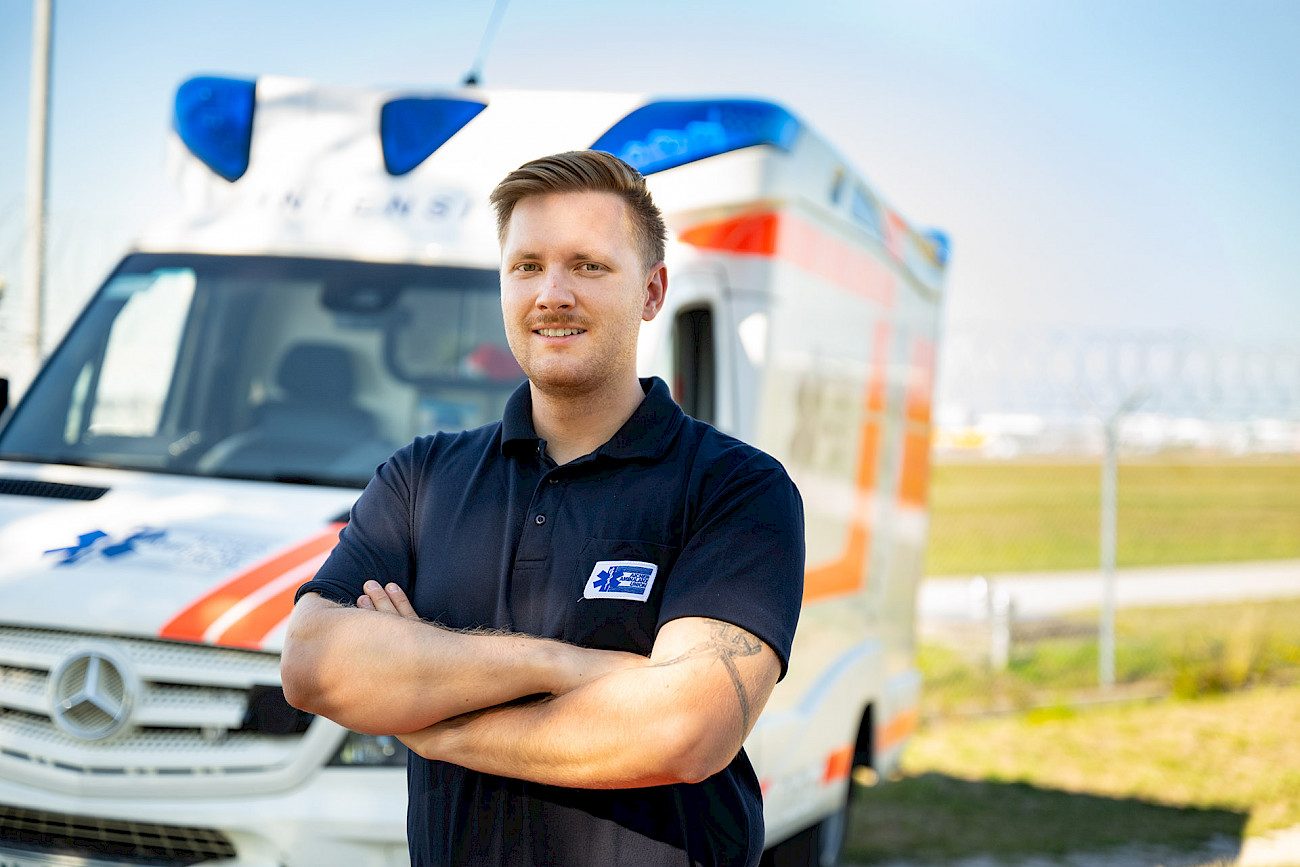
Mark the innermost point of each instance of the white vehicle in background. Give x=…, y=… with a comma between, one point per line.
x=186, y=457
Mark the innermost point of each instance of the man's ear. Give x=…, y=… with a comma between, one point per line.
x=656, y=290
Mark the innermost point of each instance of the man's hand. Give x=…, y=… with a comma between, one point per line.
x=389, y=674
x=386, y=600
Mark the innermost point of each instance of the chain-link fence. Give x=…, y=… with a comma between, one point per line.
x=1049, y=392
x=1206, y=523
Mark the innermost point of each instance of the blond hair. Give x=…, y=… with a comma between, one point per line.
x=585, y=172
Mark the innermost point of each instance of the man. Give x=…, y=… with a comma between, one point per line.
x=572, y=617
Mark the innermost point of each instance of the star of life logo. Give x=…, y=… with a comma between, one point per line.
x=621, y=579
x=97, y=543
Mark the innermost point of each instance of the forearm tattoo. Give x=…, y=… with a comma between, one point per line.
x=726, y=643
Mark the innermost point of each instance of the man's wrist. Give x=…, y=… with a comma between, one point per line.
x=556, y=666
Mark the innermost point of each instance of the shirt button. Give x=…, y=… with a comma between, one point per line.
x=553, y=481
x=541, y=519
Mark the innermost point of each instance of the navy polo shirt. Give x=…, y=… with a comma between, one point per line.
x=669, y=518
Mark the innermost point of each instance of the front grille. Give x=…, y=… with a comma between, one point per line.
x=50, y=490
x=103, y=840
x=193, y=710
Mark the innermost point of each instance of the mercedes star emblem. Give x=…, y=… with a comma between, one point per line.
x=91, y=693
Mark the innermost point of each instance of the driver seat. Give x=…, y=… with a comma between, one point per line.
x=314, y=423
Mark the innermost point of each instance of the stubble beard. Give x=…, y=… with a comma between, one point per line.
x=571, y=379
x=580, y=378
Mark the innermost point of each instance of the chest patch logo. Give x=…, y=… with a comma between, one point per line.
x=621, y=579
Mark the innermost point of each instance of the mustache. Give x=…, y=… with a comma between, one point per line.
x=555, y=322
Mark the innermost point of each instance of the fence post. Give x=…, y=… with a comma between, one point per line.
x=1109, y=513
x=1109, y=522
x=1001, y=617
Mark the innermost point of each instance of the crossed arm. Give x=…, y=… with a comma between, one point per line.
x=394, y=675
x=608, y=720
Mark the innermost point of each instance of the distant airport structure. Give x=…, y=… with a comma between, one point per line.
x=1051, y=392
x=997, y=435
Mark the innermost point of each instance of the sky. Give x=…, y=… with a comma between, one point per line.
x=1110, y=166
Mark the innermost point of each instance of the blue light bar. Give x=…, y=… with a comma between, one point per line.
x=942, y=246
x=664, y=135
x=214, y=117
x=412, y=128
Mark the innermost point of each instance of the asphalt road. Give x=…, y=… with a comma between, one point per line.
x=1046, y=594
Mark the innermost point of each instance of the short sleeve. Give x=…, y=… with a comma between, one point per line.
x=376, y=543
x=743, y=562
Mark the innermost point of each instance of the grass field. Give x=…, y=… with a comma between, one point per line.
x=1210, y=756
x=1172, y=775
x=1215, y=758
x=1015, y=516
x=1185, y=652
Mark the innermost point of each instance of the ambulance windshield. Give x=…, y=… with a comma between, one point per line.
x=301, y=370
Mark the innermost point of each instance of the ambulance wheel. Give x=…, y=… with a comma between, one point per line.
x=818, y=846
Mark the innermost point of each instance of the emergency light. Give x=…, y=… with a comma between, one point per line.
x=412, y=128
x=941, y=244
x=666, y=134
x=214, y=117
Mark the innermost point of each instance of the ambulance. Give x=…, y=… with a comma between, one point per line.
x=185, y=458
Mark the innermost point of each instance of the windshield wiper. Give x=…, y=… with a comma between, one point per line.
x=62, y=461
x=294, y=479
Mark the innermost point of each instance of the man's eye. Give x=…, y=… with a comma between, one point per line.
x=526, y=266
x=591, y=266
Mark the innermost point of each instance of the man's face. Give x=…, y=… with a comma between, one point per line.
x=574, y=291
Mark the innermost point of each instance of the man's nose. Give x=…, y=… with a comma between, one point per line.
x=557, y=293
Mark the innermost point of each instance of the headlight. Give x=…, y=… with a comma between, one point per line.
x=370, y=751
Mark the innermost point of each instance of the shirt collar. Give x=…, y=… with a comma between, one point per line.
x=517, y=420
x=646, y=434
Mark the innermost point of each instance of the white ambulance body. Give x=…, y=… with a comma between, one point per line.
x=186, y=457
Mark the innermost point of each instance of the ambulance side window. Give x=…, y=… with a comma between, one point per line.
x=695, y=376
